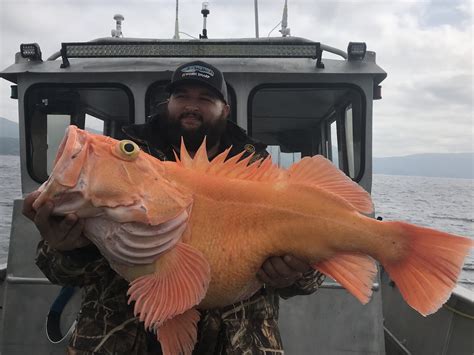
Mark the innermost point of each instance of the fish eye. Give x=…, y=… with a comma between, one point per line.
x=128, y=148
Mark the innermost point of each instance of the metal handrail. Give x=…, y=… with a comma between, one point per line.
x=27, y=280
x=336, y=286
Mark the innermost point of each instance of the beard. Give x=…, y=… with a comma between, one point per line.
x=172, y=130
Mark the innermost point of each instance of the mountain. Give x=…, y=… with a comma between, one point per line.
x=8, y=128
x=9, y=146
x=9, y=137
x=451, y=165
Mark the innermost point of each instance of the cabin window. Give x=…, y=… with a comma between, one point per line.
x=349, y=135
x=333, y=149
x=55, y=127
x=50, y=108
x=156, y=96
x=304, y=120
x=282, y=159
x=94, y=125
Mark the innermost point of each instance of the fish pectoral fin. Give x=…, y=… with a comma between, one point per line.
x=180, y=282
x=178, y=335
x=319, y=172
x=355, y=272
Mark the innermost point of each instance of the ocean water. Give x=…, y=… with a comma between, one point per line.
x=445, y=204
x=10, y=189
x=441, y=203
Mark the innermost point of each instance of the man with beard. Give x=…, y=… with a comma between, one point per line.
x=197, y=107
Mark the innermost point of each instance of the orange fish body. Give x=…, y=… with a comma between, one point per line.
x=192, y=234
x=238, y=227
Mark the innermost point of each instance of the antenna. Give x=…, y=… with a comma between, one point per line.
x=256, y=18
x=285, y=30
x=118, y=26
x=205, y=11
x=176, y=24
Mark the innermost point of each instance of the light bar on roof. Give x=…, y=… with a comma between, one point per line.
x=190, y=49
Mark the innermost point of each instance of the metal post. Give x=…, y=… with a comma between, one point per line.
x=176, y=25
x=256, y=18
x=205, y=11
x=285, y=30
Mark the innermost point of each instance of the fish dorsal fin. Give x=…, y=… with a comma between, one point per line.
x=235, y=167
x=179, y=282
x=200, y=160
x=319, y=172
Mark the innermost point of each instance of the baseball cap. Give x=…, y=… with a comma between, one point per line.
x=202, y=73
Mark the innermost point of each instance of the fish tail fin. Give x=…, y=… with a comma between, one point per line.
x=427, y=271
x=355, y=272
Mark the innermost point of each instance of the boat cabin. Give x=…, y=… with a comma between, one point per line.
x=283, y=91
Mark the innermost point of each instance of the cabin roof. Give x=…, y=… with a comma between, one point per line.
x=168, y=64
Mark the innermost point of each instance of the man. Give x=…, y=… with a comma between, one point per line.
x=197, y=108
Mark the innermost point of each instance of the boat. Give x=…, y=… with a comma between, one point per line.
x=284, y=91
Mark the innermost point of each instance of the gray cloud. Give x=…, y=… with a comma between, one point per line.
x=448, y=12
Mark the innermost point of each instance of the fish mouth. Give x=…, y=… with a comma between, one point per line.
x=67, y=168
x=70, y=158
x=67, y=144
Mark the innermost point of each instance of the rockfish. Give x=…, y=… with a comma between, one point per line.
x=192, y=234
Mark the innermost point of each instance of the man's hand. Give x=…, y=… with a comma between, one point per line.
x=61, y=233
x=280, y=272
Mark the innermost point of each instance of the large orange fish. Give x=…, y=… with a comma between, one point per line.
x=192, y=234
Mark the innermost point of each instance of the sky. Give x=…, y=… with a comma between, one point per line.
x=425, y=46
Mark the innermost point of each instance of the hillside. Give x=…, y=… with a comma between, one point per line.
x=452, y=165
x=9, y=146
x=8, y=128
x=9, y=137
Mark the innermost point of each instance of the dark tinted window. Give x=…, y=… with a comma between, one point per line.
x=49, y=109
x=298, y=121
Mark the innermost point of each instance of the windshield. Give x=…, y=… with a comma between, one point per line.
x=50, y=108
x=297, y=121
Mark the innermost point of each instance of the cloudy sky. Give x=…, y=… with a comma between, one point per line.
x=424, y=45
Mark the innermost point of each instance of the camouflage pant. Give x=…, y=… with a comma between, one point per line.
x=106, y=324
x=248, y=328
x=237, y=337
x=237, y=330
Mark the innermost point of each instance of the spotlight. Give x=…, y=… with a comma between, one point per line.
x=31, y=51
x=356, y=50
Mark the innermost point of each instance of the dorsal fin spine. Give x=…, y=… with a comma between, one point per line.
x=201, y=161
x=235, y=167
x=176, y=158
x=184, y=155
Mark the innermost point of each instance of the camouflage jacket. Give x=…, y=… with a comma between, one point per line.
x=106, y=323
